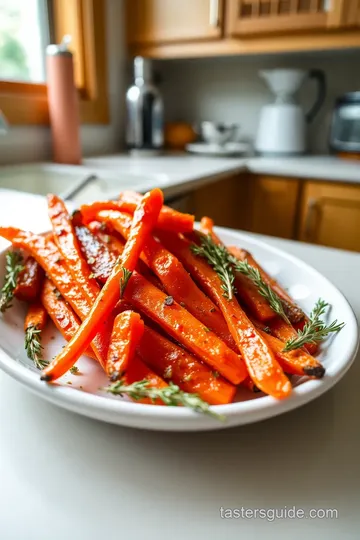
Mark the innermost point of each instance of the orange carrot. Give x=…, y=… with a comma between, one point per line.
x=183, y=327
x=138, y=371
x=263, y=368
x=61, y=313
x=126, y=335
x=65, y=239
x=175, y=279
x=44, y=250
x=246, y=291
x=175, y=364
x=99, y=257
x=284, y=331
x=169, y=219
x=294, y=313
x=296, y=362
x=36, y=317
x=145, y=218
x=28, y=285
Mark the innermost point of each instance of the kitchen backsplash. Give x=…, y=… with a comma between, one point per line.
x=229, y=89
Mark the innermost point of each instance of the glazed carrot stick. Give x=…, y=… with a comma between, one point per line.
x=176, y=364
x=65, y=239
x=296, y=362
x=91, y=242
x=126, y=335
x=263, y=368
x=246, y=291
x=283, y=331
x=99, y=257
x=44, y=250
x=183, y=327
x=145, y=218
x=294, y=313
x=169, y=219
x=138, y=371
x=61, y=313
x=175, y=279
x=36, y=317
x=29, y=282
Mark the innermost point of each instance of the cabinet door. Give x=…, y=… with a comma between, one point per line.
x=252, y=17
x=225, y=201
x=158, y=21
x=273, y=206
x=330, y=215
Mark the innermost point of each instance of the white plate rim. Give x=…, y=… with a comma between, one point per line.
x=126, y=412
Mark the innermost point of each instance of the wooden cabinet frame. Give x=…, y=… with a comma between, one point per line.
x=26, y=103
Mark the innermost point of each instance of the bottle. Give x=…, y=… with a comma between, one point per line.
x=145, y=130
x=63, y=104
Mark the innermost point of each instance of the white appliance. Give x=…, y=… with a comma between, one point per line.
x=283, y=124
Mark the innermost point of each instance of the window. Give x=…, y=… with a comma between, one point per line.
x=24, y=34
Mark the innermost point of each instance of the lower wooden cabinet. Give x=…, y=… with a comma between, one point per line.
x=226, y=201
x=319, y=212
x=330, y=215
x=273, y=206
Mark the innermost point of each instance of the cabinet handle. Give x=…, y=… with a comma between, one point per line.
x=310, y=221
x=214, y=17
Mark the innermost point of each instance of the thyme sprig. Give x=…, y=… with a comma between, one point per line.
x=170, y=395
x=126, y=275
x=315, y=330
x=219, y=258
x=264, y=289
x=33, y=346
x=13, y=267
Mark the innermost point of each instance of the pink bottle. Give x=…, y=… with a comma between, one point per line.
x=63, y=104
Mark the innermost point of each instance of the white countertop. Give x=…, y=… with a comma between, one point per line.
x=181, y=171
x=64, y=476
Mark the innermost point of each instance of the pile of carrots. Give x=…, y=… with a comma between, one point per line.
x=121, y=283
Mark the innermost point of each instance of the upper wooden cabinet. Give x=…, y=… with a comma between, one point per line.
x=195, y=28
x=162, y=21
x=330, y=215
x=251, y=17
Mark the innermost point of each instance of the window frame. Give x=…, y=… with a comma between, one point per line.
x=26, y=103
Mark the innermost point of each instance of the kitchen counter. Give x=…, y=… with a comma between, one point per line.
x=181, y=172
x=66, y=476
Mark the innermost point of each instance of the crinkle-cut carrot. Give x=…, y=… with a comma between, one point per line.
x=127, y=332
x=175, y=279
x=246, y=291
x=262, y=366
x=178, y=365
x=61, y=313
x=183, y=327
x=29, y=282
x=294, y=313
x=44, y=250
x=296, y=362
x=169, y=219
x=36, y=316
x=68, y=244
x=144, y=221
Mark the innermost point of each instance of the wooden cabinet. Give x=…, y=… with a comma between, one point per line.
x=195, y=28
x=330, y=215
x=225, y=201
x=161, y=21
x=246, y=17
x=273, y=206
